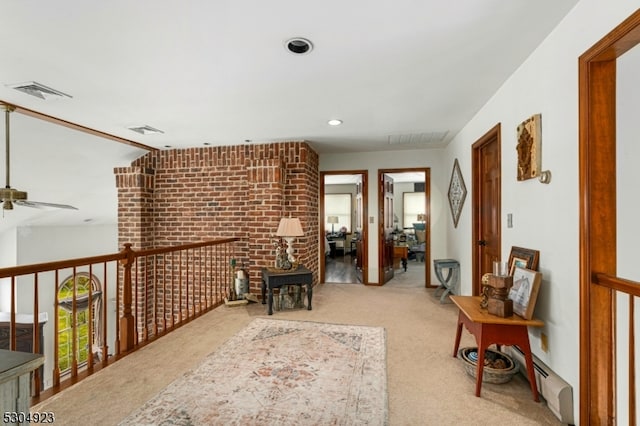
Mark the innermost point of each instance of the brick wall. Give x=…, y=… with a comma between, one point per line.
x=180, y=196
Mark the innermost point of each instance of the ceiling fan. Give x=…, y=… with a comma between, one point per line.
x=10, y=196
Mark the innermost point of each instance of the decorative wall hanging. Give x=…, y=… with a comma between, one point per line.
x=529, y=146
x=457, y=193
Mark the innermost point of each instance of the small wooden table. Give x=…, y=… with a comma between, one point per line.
x=488, y=329
x=270, y=280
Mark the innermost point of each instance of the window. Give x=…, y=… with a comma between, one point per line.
x=337, y=205
x=413, y=205
x=66, y=322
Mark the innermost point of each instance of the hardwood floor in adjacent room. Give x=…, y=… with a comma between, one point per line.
x=341, y=269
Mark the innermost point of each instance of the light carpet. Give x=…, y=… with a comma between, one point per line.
x=281, y=372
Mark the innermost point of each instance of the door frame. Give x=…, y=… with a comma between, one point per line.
x=477, y=171
x=365, y=222
x=597, y=187
x=427, y=223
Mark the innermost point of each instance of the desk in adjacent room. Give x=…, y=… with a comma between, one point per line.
x=270, y=280
x=489, y=329
x=400, y=254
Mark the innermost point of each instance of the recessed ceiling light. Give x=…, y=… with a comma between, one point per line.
x=334, y=122
x=299, y=45
x=145, y=130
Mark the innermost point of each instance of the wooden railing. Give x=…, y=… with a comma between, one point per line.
x=94, y=310
x=632, y=290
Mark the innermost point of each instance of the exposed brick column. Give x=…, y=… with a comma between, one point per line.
x=200, y=194
x=135, y=226
x=135, y=206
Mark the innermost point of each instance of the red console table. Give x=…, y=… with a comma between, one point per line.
x=489, y=329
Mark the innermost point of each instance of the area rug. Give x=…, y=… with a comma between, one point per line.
x=280, y=372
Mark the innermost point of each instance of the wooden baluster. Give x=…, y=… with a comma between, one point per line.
x=12, y=319
x=136, y=313
x=35, y=385
x=91, y=328
x=105, y=348
x=56, y=330
x=186, y=285
x=74, y=327
x=632, y=361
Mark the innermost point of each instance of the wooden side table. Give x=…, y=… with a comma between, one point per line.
x=489, y=329
x=270, y=280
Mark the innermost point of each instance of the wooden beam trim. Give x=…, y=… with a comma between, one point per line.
x=79, y=127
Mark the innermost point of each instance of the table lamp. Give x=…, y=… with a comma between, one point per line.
x=332, y=220
x=288, y=229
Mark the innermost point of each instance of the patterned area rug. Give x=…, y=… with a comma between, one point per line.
x=280, y=372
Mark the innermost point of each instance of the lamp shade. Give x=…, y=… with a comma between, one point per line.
x=289, y=227
x=332, y=219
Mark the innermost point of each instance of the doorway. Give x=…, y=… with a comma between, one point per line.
x=487, y=195
x=343, y=227
x=404, y=230
x=609, y=294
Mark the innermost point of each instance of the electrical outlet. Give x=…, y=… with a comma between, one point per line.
x=544, y=342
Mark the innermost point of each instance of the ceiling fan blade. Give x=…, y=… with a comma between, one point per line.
x=41, y=205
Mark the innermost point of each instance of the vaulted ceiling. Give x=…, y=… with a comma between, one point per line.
x=405, y=74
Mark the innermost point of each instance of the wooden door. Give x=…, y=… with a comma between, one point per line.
x=360, y=244
x=386, y=228
x=487, y=236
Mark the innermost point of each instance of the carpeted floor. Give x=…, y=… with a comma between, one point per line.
x=426, y=385
x=273, y=372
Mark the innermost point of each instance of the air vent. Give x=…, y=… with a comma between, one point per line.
x=426, y=138
x=145, y=130
x=39, y=90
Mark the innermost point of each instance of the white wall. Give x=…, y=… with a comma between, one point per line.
x=7, y=258
x=373, y=161
x=545, y=217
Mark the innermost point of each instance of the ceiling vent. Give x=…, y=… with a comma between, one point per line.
x=426, y=138
x=39, y=90
x=145, y=130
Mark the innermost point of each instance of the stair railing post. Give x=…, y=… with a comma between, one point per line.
x=127, y=322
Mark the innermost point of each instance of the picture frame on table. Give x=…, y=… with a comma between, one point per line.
x=524, y=292
x=523, y=258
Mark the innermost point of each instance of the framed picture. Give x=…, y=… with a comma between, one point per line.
x=523, y=258
x=457, y=193
x=526, y=285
